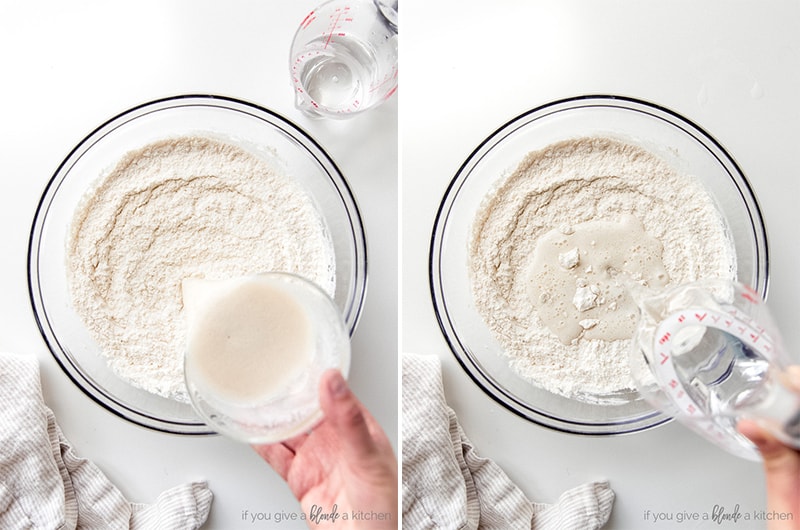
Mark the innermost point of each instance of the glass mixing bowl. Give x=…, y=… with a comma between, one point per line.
x=259, y=130
x=675, y=139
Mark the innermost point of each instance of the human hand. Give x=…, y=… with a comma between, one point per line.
x=781, y=467
x=344, y=467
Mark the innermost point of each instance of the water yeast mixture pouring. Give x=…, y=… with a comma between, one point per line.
x=709, y=354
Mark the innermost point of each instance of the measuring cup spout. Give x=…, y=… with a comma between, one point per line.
x=306, y=105
x=645, y=298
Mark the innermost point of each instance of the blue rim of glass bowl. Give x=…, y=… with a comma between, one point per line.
x=462, y=351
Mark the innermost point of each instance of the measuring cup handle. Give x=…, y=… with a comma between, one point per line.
x=388, y=10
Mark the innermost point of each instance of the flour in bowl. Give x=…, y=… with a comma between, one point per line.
x=554, y=244
x=182, y=208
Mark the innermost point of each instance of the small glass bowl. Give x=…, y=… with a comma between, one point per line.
x=675, y=139
x=256, y=129
x=292, y=407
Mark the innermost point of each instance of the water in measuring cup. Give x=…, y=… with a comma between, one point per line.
x=718, y=370
x=336, y=75
x=716, y=357
x=728, y=380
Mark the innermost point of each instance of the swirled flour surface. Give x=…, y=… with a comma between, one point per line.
x=174, y=209
x=557, y=198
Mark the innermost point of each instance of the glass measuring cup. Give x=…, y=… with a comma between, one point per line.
x=709, y=354
x=343, y=58
x=256, y=350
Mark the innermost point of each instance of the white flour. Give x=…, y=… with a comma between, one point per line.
x=179, y=208
x=574, y=182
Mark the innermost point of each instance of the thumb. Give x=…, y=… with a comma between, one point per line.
x=770, y=448
x=793, y=377
x=346, y=416
x=773, y=451
x=781, y=469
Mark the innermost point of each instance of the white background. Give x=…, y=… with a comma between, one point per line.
x=69, y=66
x=469, y=66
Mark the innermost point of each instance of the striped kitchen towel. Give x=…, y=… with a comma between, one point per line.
x=44, y=484
x=447, y=485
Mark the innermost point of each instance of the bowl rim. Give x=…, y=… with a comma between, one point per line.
x=129, y=412
x=462, y=354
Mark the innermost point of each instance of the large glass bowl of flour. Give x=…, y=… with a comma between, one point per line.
x=182, y=124
x=582, y=392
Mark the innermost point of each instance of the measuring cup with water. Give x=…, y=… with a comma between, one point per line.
x=709, y=354
x=344, y=57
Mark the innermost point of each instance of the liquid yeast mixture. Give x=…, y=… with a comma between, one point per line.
x=578, y=277
x=247, y=338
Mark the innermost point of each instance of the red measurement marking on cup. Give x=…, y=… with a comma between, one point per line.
x=335, y=25
x=390, y=77
x=725, y=318
x=308, y=20
x=389, y=94
x=330, y=33
x=750, y=295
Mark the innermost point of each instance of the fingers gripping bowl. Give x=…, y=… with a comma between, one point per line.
x=556, y=132
x=258, y=133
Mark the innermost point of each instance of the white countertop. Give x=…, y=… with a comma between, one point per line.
x=68, y=67
x=731, y=67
